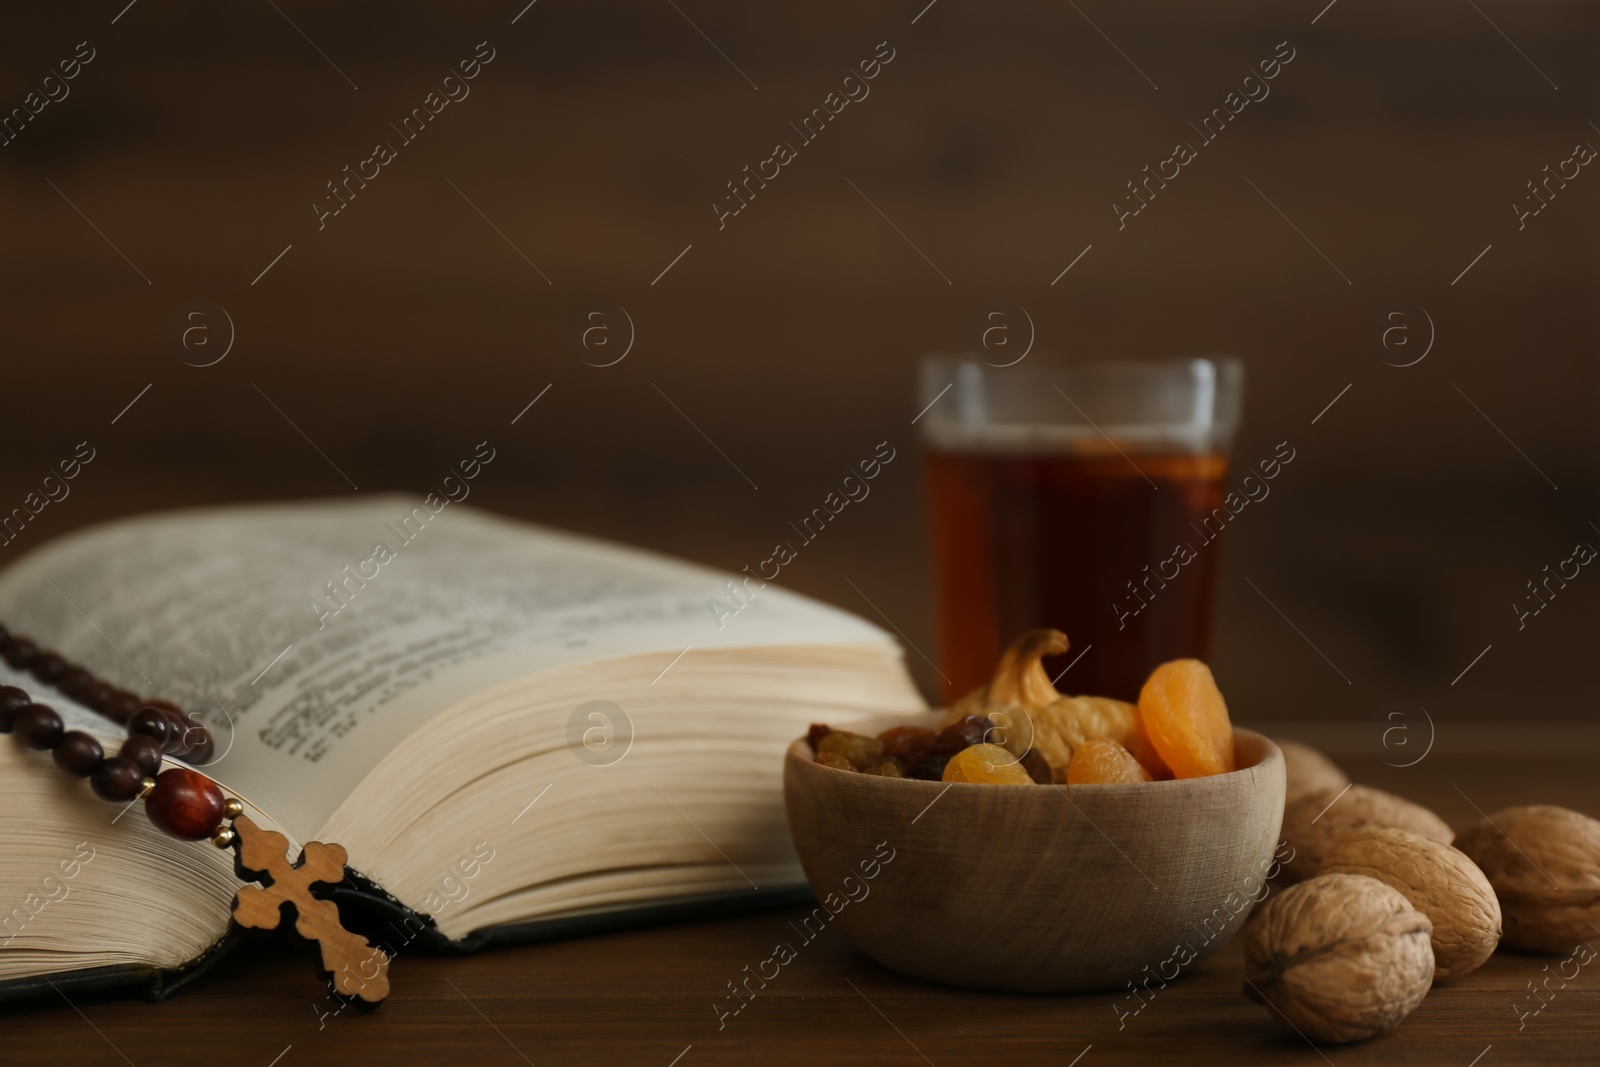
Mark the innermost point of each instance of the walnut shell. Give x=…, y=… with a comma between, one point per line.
x=1439, y=881
x=1307, y=770
x=1544, y=864
x=1339, y=958
x=1314, y=821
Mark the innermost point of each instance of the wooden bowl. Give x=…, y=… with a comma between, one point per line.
x=1046, y=889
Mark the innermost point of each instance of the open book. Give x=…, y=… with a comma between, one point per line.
x=506, y=726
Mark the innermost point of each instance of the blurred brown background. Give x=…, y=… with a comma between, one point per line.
x=598, y=138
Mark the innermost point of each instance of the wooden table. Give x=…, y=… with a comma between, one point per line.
x=646, y=997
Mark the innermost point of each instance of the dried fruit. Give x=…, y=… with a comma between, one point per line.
x=908, y=744
x=929, y=768
x=834, y=760
x=1339, y=958
x=1030, y=713
x=1308, y=770
x=964, y=732
x=1313, y=822
x=815, y=735
x=1037, y=766
x=860, y=750
x=1102, y=760
x=1544, y=864
x=1439, y=881
x=991, y=764
x=1186, y=719
x=887, y=768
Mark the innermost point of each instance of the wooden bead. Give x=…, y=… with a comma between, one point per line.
x=203, y=747
x=185, y=804
x=97, y=695
x=19, y=652
x=48, y=667
x=180, y=736
x=75, y=682
x=143, y=752
x=38, y=726
x=12, y=700
x=79, y=753
x=150, y=722
x=116, y=780
x=122, y=707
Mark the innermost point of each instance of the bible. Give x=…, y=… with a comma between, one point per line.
x=515, y=732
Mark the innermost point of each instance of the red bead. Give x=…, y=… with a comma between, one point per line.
x=79, y=753
x=38, y=726
x=116, y=780
x=185, y=804
x=12, y=700
x=142, y=752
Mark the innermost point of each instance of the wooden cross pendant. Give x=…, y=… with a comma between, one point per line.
x=357, y=969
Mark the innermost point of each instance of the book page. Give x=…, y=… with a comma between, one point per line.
x=311, y=638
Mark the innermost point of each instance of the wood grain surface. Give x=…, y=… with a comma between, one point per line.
x=650, y=997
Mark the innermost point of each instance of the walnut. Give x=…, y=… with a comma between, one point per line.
x=1314, y=821
x=1439, y=881
x=1308, y=770
x=1339, y=958
x=1031, y=713
x=1544, y=864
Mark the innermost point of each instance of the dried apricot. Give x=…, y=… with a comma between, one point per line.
x=1186, y=719
x=986, y=763
x=1101, y=760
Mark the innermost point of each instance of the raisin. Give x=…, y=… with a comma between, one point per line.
x=965, y=732
x=1187, y=720
x=929, y=768
x=988, y=764
x=860, y=750
x=834, y=760
x=888, y=768
x=1102, y=760
x=1037, y=766
x=815, y=735
x=908, y=744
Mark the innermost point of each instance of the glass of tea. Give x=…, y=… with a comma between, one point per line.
x=1086, y=498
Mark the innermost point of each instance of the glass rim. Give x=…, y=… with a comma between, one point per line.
x=1192, y=403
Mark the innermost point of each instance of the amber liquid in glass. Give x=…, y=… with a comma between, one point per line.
x=1087, y=543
